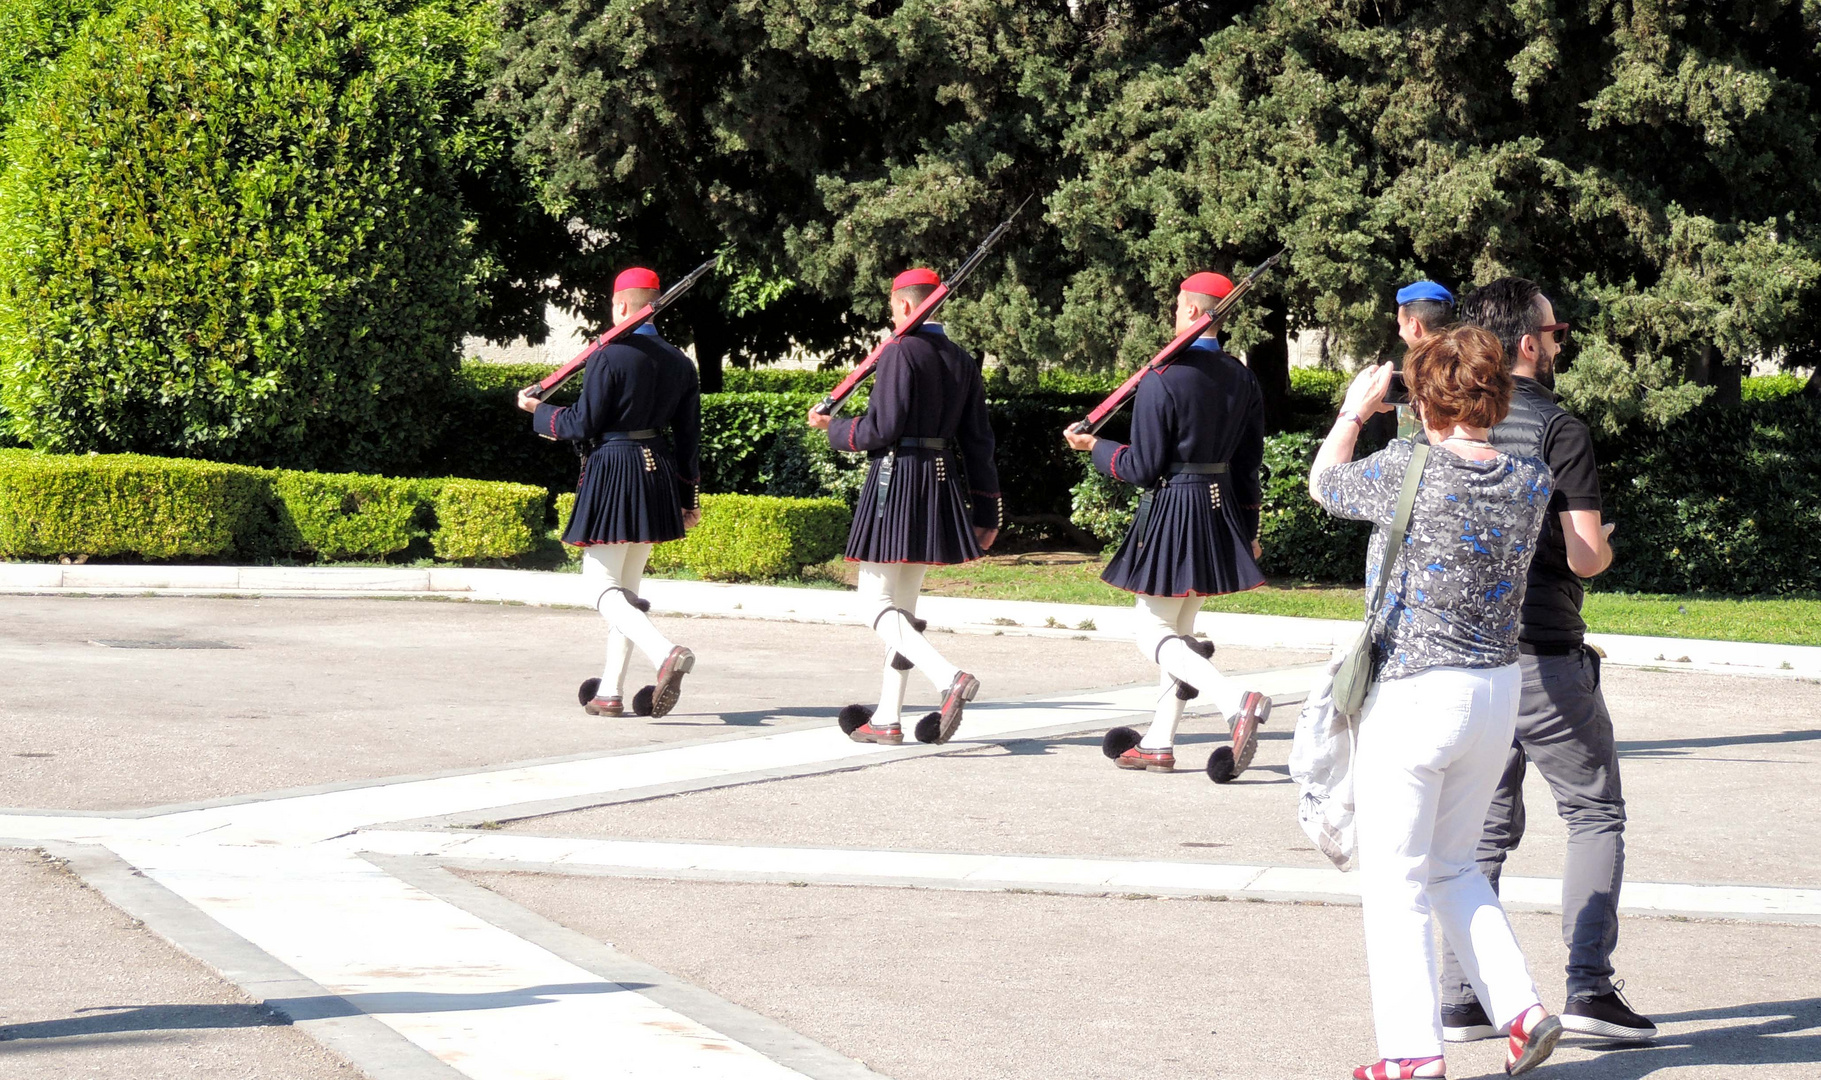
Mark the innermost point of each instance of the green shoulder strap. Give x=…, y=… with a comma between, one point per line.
x=1400, y=524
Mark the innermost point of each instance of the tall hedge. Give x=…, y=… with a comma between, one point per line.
x=226, y=233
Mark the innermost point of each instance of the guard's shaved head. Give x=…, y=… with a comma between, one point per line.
x=913, y=294
x=635, y=298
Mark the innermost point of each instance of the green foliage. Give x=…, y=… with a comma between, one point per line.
x=33, y=34
x=125, y=504
x=168, y=508
x=1301, y=541
x=750, y=537
x=1725, y=500
x=1655, y=166
x=1103, y=507
x=1772, y=387
x=241, y=231
x=347, y=516
x=482, y=520
x=779, y=381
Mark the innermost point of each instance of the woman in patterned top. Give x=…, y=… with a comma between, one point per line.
x=1438, y=724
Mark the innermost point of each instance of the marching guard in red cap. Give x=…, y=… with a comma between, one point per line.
x=1198, y=432
x=925, y=429
x=638, y=488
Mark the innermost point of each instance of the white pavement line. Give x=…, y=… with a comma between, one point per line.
x=375, y=1049
x=312, y=818
x=959, y=870
x=962, y=614
x=474, y=996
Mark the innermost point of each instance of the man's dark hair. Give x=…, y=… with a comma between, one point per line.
x=1506, y=308
x=1433, y=314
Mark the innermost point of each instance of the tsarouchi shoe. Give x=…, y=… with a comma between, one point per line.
x=1228, y=762
x=1467, y=1023
x=1432, y=1068
x=1609, y=1016
x=1533, y=1038
x=1155, y=760
x=954, y=699
x=661, y=697
x=889, y=735
x=606, y=706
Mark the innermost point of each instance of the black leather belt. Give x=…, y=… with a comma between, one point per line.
x=1549, y=648
x=925, y=444
x=1200, y=468
x=626, y=436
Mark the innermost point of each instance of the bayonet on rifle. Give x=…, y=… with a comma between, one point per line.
x=859, y=374
x=1207, y=324
x=544, y=386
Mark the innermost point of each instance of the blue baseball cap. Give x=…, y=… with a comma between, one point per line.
x=1424, y=290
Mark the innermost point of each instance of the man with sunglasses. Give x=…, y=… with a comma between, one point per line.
x=1563, y=726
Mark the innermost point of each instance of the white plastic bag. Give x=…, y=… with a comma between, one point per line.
x=1321, y=761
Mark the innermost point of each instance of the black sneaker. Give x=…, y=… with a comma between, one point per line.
x=1609, y=1016
x=1467, y=1023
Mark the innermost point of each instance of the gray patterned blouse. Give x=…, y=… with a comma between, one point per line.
x=1457, y=587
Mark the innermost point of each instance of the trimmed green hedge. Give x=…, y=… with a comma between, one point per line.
x=168, y=508
x=750, y=537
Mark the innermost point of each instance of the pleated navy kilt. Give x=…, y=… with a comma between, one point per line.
x=628, y=494
x=1190, y=546
x=925, y=519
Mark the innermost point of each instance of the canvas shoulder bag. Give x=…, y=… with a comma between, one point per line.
x=1353, y=679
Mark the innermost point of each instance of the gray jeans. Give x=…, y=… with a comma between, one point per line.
x=1564, y=730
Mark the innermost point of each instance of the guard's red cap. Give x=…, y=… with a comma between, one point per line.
x=1215, y=285
x=916, y=276
x=637, y=277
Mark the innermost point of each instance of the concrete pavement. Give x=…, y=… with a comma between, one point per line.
x=331, y=904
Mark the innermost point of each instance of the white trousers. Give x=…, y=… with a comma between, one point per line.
x=1431, y=749
x=1162, y=622
x=889, y=590
x=606, y=570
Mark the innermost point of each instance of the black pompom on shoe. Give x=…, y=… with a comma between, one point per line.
x=929, y=729
x=1221, y=768
x=1118, y=741
x=900, y=662
x=641, y=701
x=852, y=716
x=588, y=690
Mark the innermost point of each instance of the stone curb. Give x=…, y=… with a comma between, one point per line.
x=702, y=598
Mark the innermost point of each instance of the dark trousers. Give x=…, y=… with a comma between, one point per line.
x=1564, y=730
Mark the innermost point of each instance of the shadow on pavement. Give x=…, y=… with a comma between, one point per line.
x=114, y=1020
x=1772, y=1034
x=1661, y=747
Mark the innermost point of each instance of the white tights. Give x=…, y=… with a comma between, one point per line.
x=1162, y=623
x=609, y=572
x=890, y=592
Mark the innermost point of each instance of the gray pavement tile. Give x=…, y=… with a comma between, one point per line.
x=316, y=691
x=88, y=992
x=925, y=985
x=1700, y=753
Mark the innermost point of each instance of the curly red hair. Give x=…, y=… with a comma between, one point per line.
x=1459, y=376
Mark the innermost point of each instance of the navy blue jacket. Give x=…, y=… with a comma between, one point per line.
x=926, y=386
x=640, y=381
x=1205, y=407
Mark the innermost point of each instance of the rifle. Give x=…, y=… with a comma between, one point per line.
x=1206, y=324
x=858, y=375
x=639, y=318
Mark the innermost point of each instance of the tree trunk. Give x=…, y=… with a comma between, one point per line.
x=1728, y=379
x=711, y=348
x=1270, y=364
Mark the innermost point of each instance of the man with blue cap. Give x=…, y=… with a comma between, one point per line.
x=1423, y=307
